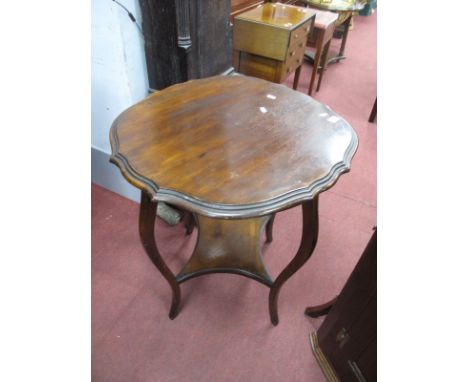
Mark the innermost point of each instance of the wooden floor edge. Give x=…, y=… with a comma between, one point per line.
x=323, y=362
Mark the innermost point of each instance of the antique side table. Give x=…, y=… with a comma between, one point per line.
x=269, y=41
x=345, y=10
x=232, y=150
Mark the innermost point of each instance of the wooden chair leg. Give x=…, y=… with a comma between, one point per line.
x=318, y=55
x=297, y=74
x=346, y=24
x=373, y=113
x=323, y=64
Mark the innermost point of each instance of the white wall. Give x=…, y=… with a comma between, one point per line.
x=118, y=80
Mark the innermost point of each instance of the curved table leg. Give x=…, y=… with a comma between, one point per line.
x=269, y=229
x=146, y=228
x=308, y=242
x=189, y=223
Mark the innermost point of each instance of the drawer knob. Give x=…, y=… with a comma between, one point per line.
x=298, y=61
x=296, y=35
x=301, y=45
x=292, y=53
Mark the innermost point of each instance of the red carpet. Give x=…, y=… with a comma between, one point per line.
x=223, y=332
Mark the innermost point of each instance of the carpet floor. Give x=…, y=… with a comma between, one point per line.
x=223, y=332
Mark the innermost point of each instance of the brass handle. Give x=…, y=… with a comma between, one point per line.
x=292, y=53
x=301, y=45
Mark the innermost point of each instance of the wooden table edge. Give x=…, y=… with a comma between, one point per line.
x=230, y=211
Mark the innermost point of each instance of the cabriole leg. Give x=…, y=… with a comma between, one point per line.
x=146, y=227
x=308, y=242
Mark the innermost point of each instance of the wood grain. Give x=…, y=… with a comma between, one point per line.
x=231, y=146
x=228, y=246
x=270, y=41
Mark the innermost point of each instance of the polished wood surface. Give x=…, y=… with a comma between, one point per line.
x=231, y=150
x=146, y=228
x=278, y=15
x=228, y=246
x=241, y=6
x=231, y=146
x=337, y=5
x=310, y=230
x=270, y=40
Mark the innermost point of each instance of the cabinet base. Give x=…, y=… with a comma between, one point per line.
x=322, y=360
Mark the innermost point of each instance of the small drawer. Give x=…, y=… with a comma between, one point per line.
x=301, y=33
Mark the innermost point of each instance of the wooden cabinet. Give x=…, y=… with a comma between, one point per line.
x=241, y=6
x=345, y=345
x=270, y=40
x=186, y=39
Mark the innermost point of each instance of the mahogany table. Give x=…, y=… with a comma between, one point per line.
x=232, y=150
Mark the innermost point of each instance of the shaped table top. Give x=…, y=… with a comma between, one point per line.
x=337, y=5
x=231, y=146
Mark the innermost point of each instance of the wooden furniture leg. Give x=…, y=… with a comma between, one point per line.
x=317, y=59
x=269, y=229
x=308, y=242
x=346, y=24
x=320, y=310
x=189, y=223
x=324, y=63
x=373, y=113
x=146, y=227
x=297, y=74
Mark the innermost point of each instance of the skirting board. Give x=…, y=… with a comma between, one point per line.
x=107, y=175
